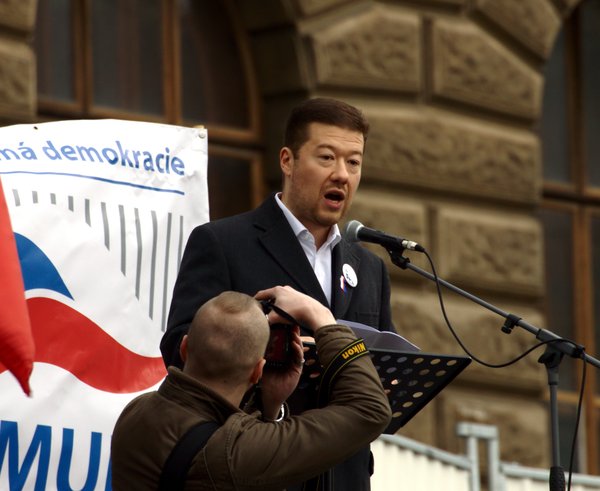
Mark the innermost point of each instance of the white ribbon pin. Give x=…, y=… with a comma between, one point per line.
x=350, y=275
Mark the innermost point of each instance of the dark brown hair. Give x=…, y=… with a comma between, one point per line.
x=321, y=110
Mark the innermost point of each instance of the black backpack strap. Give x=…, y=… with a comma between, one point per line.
x=178, y=462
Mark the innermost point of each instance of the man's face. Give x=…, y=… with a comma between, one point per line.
x=319, y=182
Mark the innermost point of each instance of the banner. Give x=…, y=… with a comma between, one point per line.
x=101, y=211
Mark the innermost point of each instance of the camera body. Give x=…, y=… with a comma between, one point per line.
x=279, y=349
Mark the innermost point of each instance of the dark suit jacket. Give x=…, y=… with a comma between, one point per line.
x=258, y=250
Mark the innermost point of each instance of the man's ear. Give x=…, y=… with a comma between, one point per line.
x=257, y=372
x=286, y=160
x=183, y=347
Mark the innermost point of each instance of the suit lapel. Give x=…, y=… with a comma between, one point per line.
x=278, y=239
x=341, y=297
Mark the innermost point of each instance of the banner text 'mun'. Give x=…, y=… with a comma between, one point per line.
x=40, y=447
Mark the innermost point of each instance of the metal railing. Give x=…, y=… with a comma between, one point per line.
x=402, y=463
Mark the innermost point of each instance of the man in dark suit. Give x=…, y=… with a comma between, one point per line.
x=293, y=239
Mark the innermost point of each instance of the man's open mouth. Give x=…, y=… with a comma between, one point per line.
x=336, y=196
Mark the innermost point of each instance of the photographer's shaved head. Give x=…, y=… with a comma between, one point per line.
x=227, y=338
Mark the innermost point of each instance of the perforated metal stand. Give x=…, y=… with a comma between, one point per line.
x=411, y=379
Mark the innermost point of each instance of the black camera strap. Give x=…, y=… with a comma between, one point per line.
x=356, y=349
x=177, y=465
x=268, y=305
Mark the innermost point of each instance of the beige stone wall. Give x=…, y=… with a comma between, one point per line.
x=453, y=89
x=17, y=61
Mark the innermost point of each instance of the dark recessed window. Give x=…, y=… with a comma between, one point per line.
x=571, y=218
x=180, y=62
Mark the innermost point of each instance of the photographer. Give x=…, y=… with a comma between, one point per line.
x=223, y=358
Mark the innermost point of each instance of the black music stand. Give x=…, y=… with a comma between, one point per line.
x=410, y=378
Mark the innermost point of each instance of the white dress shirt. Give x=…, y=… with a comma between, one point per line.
x=320, y=260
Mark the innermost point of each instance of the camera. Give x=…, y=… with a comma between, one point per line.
x=279, y=348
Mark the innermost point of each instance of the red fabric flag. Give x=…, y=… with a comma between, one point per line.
x=16, y=340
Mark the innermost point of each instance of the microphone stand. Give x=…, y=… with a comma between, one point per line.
x=556, y=348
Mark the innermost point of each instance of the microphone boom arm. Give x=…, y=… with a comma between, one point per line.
x=512, y=320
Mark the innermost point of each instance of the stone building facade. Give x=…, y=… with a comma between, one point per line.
x=453, y=90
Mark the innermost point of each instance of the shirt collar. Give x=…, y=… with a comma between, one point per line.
x=300, y=230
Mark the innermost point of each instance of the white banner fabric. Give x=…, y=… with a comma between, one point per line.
x=101, y=211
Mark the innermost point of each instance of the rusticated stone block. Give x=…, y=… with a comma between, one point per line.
x=17, y=79
x=428, y=150
x=376, y=50
x=450, y=2
x=471, y=67
x=417, y=316
x=394, y=215
x=491, y=250
x=522, y=422
x=18, y=14
x=384, y=211
x=534, y=23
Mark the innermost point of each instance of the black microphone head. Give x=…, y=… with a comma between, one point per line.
x=351, y=230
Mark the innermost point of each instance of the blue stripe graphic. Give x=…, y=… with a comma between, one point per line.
x=37, y=269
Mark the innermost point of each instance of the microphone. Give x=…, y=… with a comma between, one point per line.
x=356, y=231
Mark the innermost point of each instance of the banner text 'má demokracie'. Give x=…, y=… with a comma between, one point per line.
x=162, y=163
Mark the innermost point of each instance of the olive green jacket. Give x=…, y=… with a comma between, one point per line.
x=246, y=453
